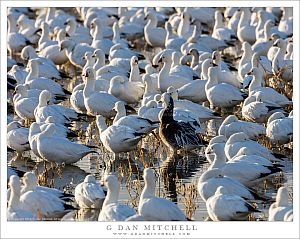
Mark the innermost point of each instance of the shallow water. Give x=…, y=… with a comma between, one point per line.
x=177, y=178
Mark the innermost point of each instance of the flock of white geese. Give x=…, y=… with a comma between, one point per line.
x=151, y=71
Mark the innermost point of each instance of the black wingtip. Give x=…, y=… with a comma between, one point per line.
x=64, y=75
x=20, y=64
x=251, y=208
x=142, y=71
x=71, y=135
x=130, y=109
x=67, y=92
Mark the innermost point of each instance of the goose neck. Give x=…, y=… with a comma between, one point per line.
x=149, y=190
x=14, y=200
x=121, y=112
x=33, y=73
x=116, y=35
x=134, y=73
x=244, y=20
x=111, y=197
x=167, y=115
x=267, y=31
x=101, y=125
x=89, y=87
x=255, y=83
x=12, y=27
x=152, y=23
x=219, y=161
x=72, y=28
x=100, y=62
x=60, y=36
x=98, y=34
x=149, y=87
x=50, y=14
x=195, y=60
x=164, y=73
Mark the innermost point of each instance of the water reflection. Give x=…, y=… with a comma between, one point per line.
x=82, y=215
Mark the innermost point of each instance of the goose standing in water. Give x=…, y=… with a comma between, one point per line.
x=15, y=211
x=135, y=122
x=112, y=210
x=117, y=138
x=176, y=135
x=222, y=95
x=17, y=138
x=154, y=208
x=228, y=207
x=60, y=150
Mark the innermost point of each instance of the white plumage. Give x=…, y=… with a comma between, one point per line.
x=89, y=193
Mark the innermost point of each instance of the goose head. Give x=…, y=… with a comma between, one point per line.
x=28, y=53
x=221, y=191
x=280, y=43
x=216, y=149
x=44, y=98
x=173, y=92
x=193, y=52
x=67, y=44
x=243, y=151
x=117, y=80
x=246, y=47
x=149, y=176
x=275, y=116
x=50, y=130
x=120, y=107
x=150, y=16
x=218, y=139
x=30, y=180
x=13, y=125
x=96, y=22
x=50, y=119
x=99, y=54
x=166, y=99
x=89, y=73
x=230, y=119
x=282, y=197
x=14, y=183
x=165, y=58
x=70, y=24
x=21, y=89
x=89, y=179
x=212, y=173
x=134, y=61
x=238, y=137
x=88, y=56
x=254, y=71
x=216, y=57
